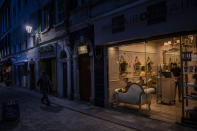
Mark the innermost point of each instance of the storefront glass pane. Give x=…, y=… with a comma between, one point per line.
x=162, y=56
x=142, y=77
x=189, y=59
x=125, y=64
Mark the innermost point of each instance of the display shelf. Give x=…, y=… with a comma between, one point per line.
x=191, y=97
x=191, y=85
x=188, y=69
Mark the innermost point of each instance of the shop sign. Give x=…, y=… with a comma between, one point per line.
x=6, y=61
x=155, y=13
x=143, y=20
x=118, y=24
x=19, y=57
x=158, y=12
x=47, y=51
x=82, y=49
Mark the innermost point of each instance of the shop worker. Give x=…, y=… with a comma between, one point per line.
x=176, y=71
x=44, y=84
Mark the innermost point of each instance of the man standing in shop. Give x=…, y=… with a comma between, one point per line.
x=44, y=84
x=176, y=71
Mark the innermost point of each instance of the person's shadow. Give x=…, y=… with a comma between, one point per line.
x=52, y=108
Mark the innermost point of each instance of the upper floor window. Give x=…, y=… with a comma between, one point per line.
x=14, y=11
x=25, y=1
x=59, y=11
x=45, y=18
x=73, y=4
x=19, y=5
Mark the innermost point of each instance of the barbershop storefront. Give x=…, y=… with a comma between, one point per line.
x=151, y=52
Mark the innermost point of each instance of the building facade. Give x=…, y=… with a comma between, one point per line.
x=41, y=36
x=89, y=47
x=142, y=42
x=5, y=47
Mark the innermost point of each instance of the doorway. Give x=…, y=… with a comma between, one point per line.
x=65, y=79
x=32, y=76
x=84, y=77
x=19, y=75
x=49, y=66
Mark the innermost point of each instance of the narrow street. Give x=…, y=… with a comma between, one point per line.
x=65, y=115
x=38, y=117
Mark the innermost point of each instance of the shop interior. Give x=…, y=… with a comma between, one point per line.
x=142, y=78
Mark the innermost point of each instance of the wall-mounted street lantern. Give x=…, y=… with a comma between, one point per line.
x=28, y=28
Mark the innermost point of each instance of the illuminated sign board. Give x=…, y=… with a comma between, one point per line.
x=82, y=49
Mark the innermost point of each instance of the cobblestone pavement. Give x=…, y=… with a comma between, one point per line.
x=38, y=117
x=66, y=115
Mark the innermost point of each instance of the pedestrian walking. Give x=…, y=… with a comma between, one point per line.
x=44, y=84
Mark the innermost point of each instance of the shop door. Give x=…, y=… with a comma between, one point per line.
x=84, y=77
x=45, y=65
x=19, y=76
x=65, y=79
x=32, y=76
x=15, y=74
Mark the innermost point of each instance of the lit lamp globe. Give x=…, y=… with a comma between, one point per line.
x=28, y=28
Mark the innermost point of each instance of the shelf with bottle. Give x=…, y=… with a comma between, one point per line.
x=191, y=97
